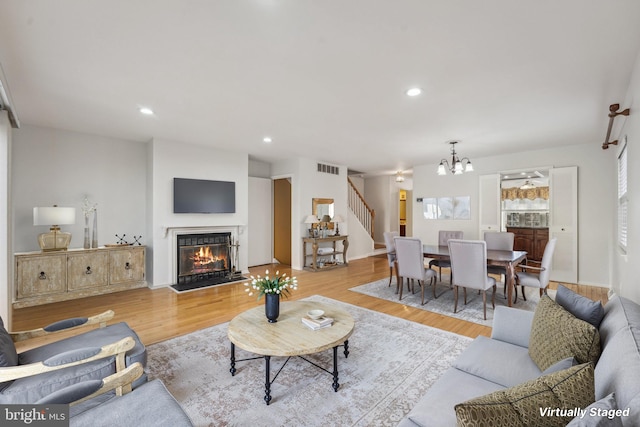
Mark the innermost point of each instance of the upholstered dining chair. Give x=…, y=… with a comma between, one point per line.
x=469, y=270
x=391, y=251
x=410, y=264
x=443, y=239
x=499, y=241
x=537, y=277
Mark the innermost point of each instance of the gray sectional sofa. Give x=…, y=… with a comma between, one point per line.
x=503, y=361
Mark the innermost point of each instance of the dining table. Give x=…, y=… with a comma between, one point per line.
x=507, y=259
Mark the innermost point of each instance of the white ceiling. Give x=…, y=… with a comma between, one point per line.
x=324, y=78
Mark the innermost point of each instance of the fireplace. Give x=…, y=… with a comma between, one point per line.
x=203, y=259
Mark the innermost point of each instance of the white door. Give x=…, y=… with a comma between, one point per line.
x=489, y=201
x=563, y=223
x=260, y=221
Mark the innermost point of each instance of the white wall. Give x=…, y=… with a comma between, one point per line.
x=6, y=258
x=173, y=159
x=625, y=275
x=307, y=183
x=59, y=167
x=596, y=188
x=260, y=214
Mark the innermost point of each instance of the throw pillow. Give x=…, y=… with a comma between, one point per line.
x=599, y=414
x=550, y=400
x=557, y=334
x=581, y=307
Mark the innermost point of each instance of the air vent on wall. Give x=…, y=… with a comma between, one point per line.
x=333, y=170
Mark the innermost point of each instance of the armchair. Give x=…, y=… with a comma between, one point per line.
x=112, y=402
x=32, y=374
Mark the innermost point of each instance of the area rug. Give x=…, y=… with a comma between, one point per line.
x=391, y=364
x=443, y=304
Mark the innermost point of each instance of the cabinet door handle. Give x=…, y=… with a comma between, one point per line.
x=42, y=276
x=127, y=266
x=88, y=270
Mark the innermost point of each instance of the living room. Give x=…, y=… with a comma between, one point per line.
x=129, y=177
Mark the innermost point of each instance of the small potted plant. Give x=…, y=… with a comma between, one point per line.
x=272, y=287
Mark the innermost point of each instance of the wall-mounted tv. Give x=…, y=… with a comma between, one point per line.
x=203, y=196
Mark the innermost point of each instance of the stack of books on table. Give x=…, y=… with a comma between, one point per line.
x=315, y=324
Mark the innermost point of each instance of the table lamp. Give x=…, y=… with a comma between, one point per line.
x=55, y=216
x=337, y=219
x=311, y=219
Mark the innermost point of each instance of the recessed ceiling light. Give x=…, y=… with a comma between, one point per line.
x=146, y=110
x=267, y=139
x=414, y=91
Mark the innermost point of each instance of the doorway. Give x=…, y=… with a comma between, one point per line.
x=282, y=220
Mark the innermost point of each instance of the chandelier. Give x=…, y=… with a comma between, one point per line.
x=456, y=166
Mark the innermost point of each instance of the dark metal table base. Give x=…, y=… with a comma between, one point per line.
x=267, y=360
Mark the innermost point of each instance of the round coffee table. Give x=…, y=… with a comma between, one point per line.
x=288, y=337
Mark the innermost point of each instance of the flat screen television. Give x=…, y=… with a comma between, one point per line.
x=203, y=196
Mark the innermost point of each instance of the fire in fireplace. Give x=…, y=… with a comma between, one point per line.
x=203, y=258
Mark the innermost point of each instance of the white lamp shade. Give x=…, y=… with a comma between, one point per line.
x=337, y=218
x=311, y=219
x=54, y=215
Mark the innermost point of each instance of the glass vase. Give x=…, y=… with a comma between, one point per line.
x=94, y=238
x=87, y=240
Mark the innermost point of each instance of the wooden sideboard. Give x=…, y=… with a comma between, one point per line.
x=332, y=256
x=530, y=239
x=45, y=277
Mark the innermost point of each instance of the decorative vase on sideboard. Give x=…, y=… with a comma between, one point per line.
x=272, y=307
x=94, y=240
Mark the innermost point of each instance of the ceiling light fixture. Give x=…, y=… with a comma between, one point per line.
x=267, y=139
x=399, y=177
x=456, y=166
x=414, y=91
x=146, y=111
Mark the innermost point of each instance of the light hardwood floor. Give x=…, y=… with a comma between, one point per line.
x=160, y=314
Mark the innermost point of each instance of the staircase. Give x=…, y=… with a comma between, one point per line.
x=361, y=209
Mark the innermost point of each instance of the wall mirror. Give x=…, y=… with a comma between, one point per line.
x=322, y=207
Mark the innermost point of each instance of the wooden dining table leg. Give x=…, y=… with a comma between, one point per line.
x=510, y=283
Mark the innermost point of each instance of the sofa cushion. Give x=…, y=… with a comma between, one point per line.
x=618, y=313
x=435, y=408
x=525, y=404
x=557, y=334
x=497, y=361
x=580, y=306
x=618, y=370
x=599, y=414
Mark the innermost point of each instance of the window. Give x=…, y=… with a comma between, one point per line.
x=622, y=196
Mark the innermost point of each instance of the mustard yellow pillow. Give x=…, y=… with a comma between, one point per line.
x=550, y=400
x=557, y=334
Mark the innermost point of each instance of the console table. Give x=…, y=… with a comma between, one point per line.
x=320, y=251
